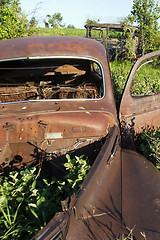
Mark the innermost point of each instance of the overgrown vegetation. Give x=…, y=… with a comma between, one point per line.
x=119, y=74
x=54, y=20
x=145, y=14
x=26, y=196
x=146, y=80
x=62, y=32
x=148, y=143
x=13, y=21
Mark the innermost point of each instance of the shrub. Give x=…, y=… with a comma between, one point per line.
x=148, y=143
x=25, y=198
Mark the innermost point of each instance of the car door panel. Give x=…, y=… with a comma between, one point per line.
x=139, y=111
x=140, y=196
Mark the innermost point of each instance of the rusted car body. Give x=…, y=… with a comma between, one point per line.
x=56, y=98
x=113, y=37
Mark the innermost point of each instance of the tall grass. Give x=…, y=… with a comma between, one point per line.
x=119, y=73
x=62, y=32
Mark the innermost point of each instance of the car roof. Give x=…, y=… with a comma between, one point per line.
x=111, y=26
x=48, y=46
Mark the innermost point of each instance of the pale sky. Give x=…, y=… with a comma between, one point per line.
x=76, y=12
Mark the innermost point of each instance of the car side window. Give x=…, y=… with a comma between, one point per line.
x=147, y=78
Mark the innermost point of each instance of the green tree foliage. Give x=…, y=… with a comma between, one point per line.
x=13, y=23
x=145, y=14
x=54, y=20
x=31, y=28
x=71, y=26
x=33, y=22
x=92, y=21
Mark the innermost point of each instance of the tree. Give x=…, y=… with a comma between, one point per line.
x=70, y=26
x=4, y=2
x=33, y=22
x=31, y=27
x=54, y=20
x=145, y=14
x=92, y=21
x=13, y=23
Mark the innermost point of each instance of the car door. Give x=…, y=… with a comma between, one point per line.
x=140, y=104
x=140, y=110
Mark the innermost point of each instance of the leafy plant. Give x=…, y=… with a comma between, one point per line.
x=146, y=80
x=119, y=74
x=25, y=198
x=145, y=13
x=148, y=143
x=77, y=171
x=54, y=20
x=130, y=43
x=13, y=21
x=92, y=21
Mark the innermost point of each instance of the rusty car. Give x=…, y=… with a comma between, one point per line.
x=56, y=97
x=114, y=38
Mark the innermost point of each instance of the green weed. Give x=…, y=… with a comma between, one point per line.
x=148, y=143
x=28, y=201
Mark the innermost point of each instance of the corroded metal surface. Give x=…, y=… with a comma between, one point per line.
x=110, y=25
x=140, y=196
x=51, y=46
x=115, y=43
x=133, y=106
x=125, y=202
x=29, y=72
x=50, y=132
x=121, y=184
x=96, y=212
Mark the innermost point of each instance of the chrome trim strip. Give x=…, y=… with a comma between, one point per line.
x=13, y=59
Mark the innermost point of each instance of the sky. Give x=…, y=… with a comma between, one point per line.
x=77, y=12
